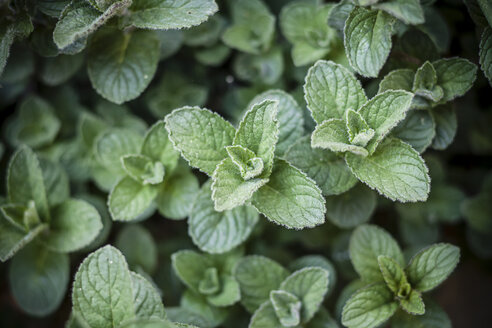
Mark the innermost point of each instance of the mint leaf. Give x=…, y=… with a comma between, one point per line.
x=176, y=195
x=25, y=181
x=199, y=307
x=13, y=239
x=399, y=79
x=413, y=304
x=138, y=247
x=122, y=64
x=170, y=14
x=265, y=317
x=228, y=294
x=367, y=39
x=290, y=198
x=287, y=307
x=326, y=99
x=55, y=181
x=129, y=198
x=200, y=135
x=246, y=161
x=446, y=126
x=395, y=170
x=190, y=266
x=369, y=307
x=289, y=115
x=418, y=129
x=147, y=301
x=455, y=76
x=485, y=53
x=309, y=285
x=394, y=276
x=434, y=317
x=60, y=69
x=219, y=232
x=425, y=83
x=158, y=147
x=257, y=276
x=367, y=243
x=408, y=11
x=323, y=166
x=141, y=168
x=332, y=134
x=359, y=132
x=383, y=112
x=102, y=292
x=431, y=266
x=74, y=224
x=79, y=19
x=38, y=279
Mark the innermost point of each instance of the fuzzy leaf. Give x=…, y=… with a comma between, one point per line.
x=425, y=83
x=395, y=170
x=129, y=198
x=332, y=134
x=455, y=76
x=228, y=294
x=200, y=135
x=431, y=266
x=287, y=307
x=158, y=147
x=417, y=129
x=147, y=301
x=13, y=239
x=413, y=304
x=246, y=161
x=359, y=132
x=393, y=275
x=290, y=198
x=265, y=317
x=327, y=99
x=434, y=317
x=190, y=267
x=399, y=79
x=367, y=39
x=141, y=168
x=408, y=11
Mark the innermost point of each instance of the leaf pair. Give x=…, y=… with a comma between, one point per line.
x=277, y=298
x=242, y=164
x=378, y=259
x=349, y=124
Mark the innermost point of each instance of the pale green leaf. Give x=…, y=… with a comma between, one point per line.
x=399, y=79
x=245, y=160
x=425, y=83
x=455, y=76
x=367, y=39
x=485, y=53
x=13, y=239
x=122, y=64
x=198, y=306
x=417, y=129
x=206, y=34
x=434, y=317
x=143, y=169
x=408, y=11
x=394, y=276
x=200, y=135
x=290, y=198
x=55, y=181
x=413, y=304
x=190, y=266
x=158, y=147
x=359, y=132
x=326, y=99
x=395, y=170
x=257, y=276
x=318, y=261
x=219, y=232
x=129, y=199
x=138, y=247
x=102, y=292
x=446, y=126
x=39, y=279
x=431, y=266
x=170, y=14
x=265, y=317
x=366, y=244
x=228, y=294
x=287, y=307
x=265, y=69
x=146, y=299
x=332, y=134
x=369, y=307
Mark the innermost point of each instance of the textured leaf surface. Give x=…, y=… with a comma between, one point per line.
x=129, y=199
x=287, y=307
x=434, y=317
x=369, y=307
x=399, y=79
x=395, y=170
x=175, y=197
x=257, y=276
x=367, y=39
x=417, y=129
x=190, y=266
x=366, y=244
x=147, y=301
x=455, y=76
x=265, y=317
x=13, y=239
x=219, y=232
x=413, y=304
x=486, y=53
x=290, y=198
x=408, y=11
x=326, y=99
x=200, y=135
x=102, y=292
x=431, y=266
x=446, y=126
x=121, y=65
x=332, y=134
x=158, y=147
x=393, y=274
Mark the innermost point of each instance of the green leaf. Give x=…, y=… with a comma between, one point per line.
x=327, y=99
x=287, y=307
x=138, y=247
x=413, y=304
x=190, y=266
x=446, y=126
x=369, y=307
x=367, y=39
x=290, y=198
x=7, y=37
x=209, y=285
x=289, y=116
x=229, y=189
x=318, y=261
x=122, y=64
x=366, y=244
x=359, y=132
x=102, y=292
x=200, y=135
x=74, y=224
x=147, y=301
x=486, y=7
x=383, y=112
x=408, y=11
x=455, y=76
x=425, y=83
x=143, y=169
x=219, y=232
x=228, y=294
x=129, y=198
x=79, y=19
x=417, y=129
x=395, y=170
x=394, y=276
x=399, y=79
x=257, y=276
x=485, y=53
x=158, y=147
x=60, y=69
x=309, y=285
x=332, y=134
x=56, y=182
x=245, y=160
x=264, y=69
x=206, y=34
x=431, y=266
x=351, y=208
x=170, y=14
x=328, y=170
x=22, y=217
x=25, y=181
x=13, y=239
x=265, y=317
x=176, y=195
x=434, y=317
x=198, y=306
x=38, y=280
